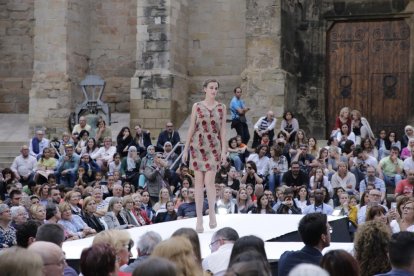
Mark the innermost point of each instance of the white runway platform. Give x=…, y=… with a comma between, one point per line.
x=264, y=226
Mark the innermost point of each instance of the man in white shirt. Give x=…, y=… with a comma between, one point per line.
x=105, y=154
x=81, y=126
x=38, y=143
x=374, y=199
x=24, y=166
x=221, y=246
x=265, y=125
x=409, y=162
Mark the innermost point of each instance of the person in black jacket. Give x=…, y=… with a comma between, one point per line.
x=170, y=215
x=288, y=206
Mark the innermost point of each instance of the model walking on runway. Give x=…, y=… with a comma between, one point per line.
x=206, y=141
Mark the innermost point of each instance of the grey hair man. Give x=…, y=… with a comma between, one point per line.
x=221, y=246
x=145, y=245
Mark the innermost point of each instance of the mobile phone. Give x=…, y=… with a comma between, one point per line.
x=394, y=205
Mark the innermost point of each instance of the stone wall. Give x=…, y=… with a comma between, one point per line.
x=50, y=97
x=112, y=30
x=264, y=80
x=16, y=54
x=216, y=45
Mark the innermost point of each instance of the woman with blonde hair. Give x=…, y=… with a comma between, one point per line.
x=164, y=197
x=360, y=127
x=343, y=118
x=119, y=240
x=18, y=261
x=179, y=251
x=38, y=213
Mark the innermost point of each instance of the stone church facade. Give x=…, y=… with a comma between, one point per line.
x=311, y=57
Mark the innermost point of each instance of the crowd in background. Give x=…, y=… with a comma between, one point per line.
x=88, y=185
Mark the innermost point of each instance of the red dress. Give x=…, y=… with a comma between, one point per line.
x=205, y=145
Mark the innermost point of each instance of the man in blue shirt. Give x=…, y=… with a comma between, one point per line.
x=238, y=115
x=401, y=253
x=319, y=206
x=67, y=168
x=314, y=231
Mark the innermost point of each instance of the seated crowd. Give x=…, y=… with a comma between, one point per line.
x=87, y=185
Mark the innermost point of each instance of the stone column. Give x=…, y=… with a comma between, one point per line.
x=263, y=80
x=58, y=35
x=159, y=85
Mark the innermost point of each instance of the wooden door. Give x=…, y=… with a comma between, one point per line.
x=368, y=70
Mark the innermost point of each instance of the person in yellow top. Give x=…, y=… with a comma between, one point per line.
x=346, y=209
x=46, y=163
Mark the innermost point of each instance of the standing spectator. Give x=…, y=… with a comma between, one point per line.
x=289, y=126
x=155, y=174
x=238, y=115
x=265, y=125
x=81, y=126
x=315, y=233
x=38, y=143
x=24, y=166
x=67, y=167
x=168, y=135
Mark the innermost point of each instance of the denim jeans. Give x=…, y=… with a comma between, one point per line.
x=274, y=181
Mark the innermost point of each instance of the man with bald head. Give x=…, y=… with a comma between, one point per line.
x=52, y=255
x=265, y=125
x=81, y=126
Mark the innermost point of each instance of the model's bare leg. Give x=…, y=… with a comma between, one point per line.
x=211, y=197
x=199, y=199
